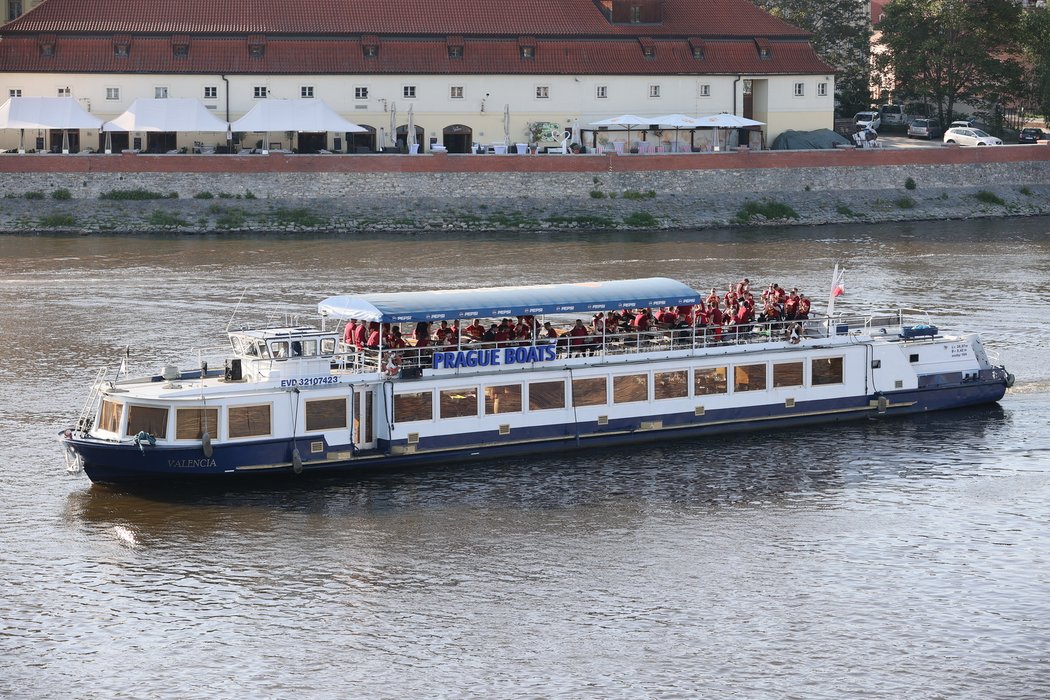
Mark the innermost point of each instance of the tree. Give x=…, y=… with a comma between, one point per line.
x=1035, y=77
x=841, y=37
x=950, y=51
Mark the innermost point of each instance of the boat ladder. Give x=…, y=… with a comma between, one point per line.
x=87, y=413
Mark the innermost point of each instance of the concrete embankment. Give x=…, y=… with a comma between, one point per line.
x=92, y=193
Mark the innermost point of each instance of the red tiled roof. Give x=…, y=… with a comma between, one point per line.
x=402, y=55
x=708, y=18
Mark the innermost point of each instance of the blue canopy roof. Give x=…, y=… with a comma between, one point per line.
x=496, y=302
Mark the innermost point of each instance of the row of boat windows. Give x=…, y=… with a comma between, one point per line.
x=628, y=388
x=241, y=421
x=284, y=348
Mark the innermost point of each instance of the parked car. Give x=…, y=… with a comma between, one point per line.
x=970, y=123
x=970, y=137
x=893, y=115
x=867, y=120
x=1031, y=135
x=925, y=129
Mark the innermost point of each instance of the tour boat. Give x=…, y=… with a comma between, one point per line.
x=298, y=400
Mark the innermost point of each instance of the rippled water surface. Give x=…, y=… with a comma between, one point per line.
x=892, y=559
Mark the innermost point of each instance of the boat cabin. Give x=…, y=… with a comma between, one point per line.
x=273, y=353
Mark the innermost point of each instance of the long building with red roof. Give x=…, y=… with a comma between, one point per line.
x=473, y=71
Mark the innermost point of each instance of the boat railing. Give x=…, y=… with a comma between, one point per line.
x=598, y=346
x=881, y=322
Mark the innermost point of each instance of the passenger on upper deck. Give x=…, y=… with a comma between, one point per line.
x=578, y=337
x=475, y=331
x=349, y=331
x=373, y=335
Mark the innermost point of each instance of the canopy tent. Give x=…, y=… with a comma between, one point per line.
x=727, y=121
x=45, y=113
x=497, y=302
x=678, y=121
x=166, y=115
x=311, y=115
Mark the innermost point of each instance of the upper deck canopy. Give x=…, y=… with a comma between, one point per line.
x=497, y=302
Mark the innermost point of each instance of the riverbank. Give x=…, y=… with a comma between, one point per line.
x=283, y=193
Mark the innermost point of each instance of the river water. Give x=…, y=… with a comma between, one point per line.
x=895, y=559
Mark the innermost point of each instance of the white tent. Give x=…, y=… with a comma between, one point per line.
x=166, y=115
x=627, y=121
x=727, y=121
x=45, y=113
x=310, y=115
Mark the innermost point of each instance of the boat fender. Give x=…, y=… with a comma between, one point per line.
x=1009, y=380
x=297, y=461
x=142, y=438
x=206, y=444
x=883, y=404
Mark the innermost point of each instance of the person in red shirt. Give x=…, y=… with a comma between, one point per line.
x=475, y=330
x=804, y=305
x=396, y=341
x=643, y=321
x=712, y=297
x=685, y=315
x=361, y=336
x=791, y=305
x=373, y=335
x=578, y=337
x=422, y=334
x=714, y=318
x=349, y=331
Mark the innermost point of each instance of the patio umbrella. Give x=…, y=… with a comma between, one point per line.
x=678, y=121
x=625, y=120
x=506, y=124
x=393, y=124
x=727, y=121
x=411, y=136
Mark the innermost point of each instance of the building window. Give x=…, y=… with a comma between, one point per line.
x=543, y=92
x=256, y=50
x=360, y=93
x=14, y=92
x=455, y=52
x=408, y=91
x=121, y=49
x=456, y=92
x=822, y=89
x=306, y=91
x=371, y=51
x=649, y=51
x=800, y=89
x=601, y=92
x=635, y=14
x=259, y=92
x=160, y=93
x=180, y=50
x=705, y=90
x=211, y=92
x=654, y=91
x=763, y=53
x=14, y=9
x=528, y=52
x=65, y=92
x=112, y=93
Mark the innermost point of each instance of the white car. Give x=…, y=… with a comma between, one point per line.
x=970, y=137
x=868, y=120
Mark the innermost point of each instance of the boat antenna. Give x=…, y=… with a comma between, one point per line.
x=235, y=309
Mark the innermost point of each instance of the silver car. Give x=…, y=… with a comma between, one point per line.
x=970, y=137
x=924, y=129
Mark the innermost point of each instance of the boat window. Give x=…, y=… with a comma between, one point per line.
x=749, y=377
x=109, y=419
x=546, y=395
x=248, y=421
x=787, y=374
x=192, y=423
x=297, y=348
x=279, y=348
x=631, y=388
x=325, y=414
x=415, y=406
x=309, y=348
x=710, y=381
x=327, y=346
x=149, y=418
x=592, y=391
x=458, y=403
x=671, y=385
x=260, y=349
x=505, y=398
x=826, y=370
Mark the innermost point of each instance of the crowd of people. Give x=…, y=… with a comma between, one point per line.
x=718, y=316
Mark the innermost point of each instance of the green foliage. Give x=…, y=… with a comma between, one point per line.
x=909, y=184
x=1025, y=191
x=950, y=51
x=249, y=195
x=34, y=194
x=904, y=203
x=597, y=194
x=58, y=221
x=297, y=217
x=62, y=194
x=582, y=221
x=988, y=197
x=204, y=195
x=230, y=218
x=766, y=209
x=137, y=194
x=640, y=219
x=631, y=194
x=846, y=211
x=841, y=36
x=225, y=195
x=159, y=217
